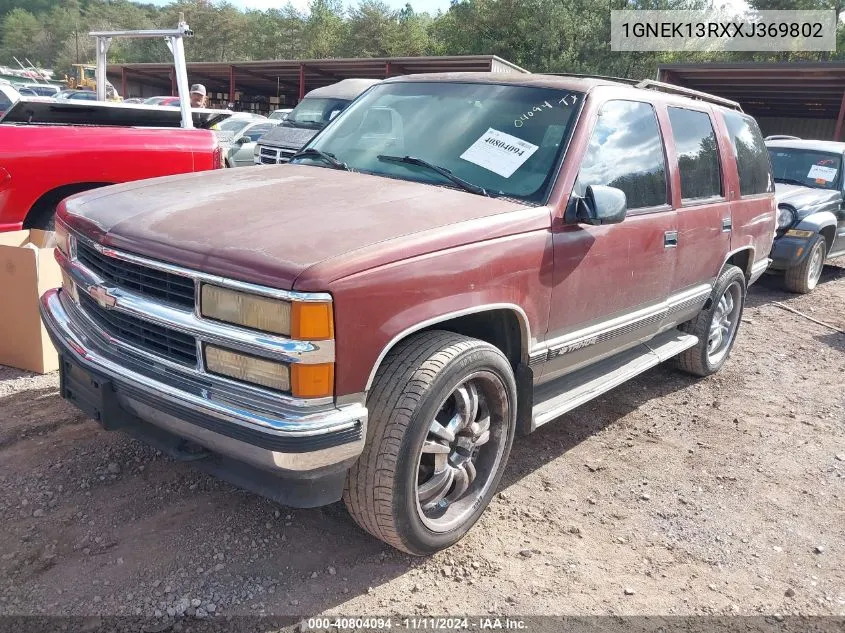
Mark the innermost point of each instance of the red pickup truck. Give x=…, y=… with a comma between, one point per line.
x=50, y=150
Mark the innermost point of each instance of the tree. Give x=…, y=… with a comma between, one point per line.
x=21, y=35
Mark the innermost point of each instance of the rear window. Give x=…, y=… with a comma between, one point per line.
x=752, y=157
x=698, y=154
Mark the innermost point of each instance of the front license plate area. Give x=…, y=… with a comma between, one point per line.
x=90, y=393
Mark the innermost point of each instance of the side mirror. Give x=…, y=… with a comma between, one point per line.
x=601, y=205
x=241, y=140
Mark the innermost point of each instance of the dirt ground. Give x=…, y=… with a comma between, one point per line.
x=669, y=495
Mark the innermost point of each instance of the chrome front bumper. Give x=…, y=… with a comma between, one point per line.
x=292, y=441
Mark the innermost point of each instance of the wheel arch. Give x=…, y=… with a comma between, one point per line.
x=742, y=258
x=51, y=198
x=503, y=325
x=822, y=222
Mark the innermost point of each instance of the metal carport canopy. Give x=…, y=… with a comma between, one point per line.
x=296, y=77
x=794, y=89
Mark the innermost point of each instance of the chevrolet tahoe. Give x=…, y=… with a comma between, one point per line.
x=458, y=259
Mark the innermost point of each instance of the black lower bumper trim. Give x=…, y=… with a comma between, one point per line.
x=95, y=395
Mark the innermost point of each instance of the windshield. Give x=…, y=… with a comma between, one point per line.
x=504, y=139
x=810, y=168
x=278, y=114
x=314, y=113
x=234, y=124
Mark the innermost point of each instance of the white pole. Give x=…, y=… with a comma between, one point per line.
x=103, y=44
x=182, y=81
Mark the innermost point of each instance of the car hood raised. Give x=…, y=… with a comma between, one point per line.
x=806, y=199
x=269, y=224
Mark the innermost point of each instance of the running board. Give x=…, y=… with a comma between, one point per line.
x=563, y=394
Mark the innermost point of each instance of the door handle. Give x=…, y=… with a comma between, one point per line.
x=727, y=225
x=670, y=239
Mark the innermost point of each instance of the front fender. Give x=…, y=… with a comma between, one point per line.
x=790, y=250
x=817, y=221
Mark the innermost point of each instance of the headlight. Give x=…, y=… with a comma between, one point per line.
x=247, y=368
x=302, y=320
x=786, y=216
x=248, y=310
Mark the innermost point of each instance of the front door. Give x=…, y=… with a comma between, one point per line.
x=611, y=282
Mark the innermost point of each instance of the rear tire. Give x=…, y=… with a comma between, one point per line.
x=715, y=326
x=442, y=415
x=805, y=276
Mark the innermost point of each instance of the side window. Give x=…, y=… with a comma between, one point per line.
x=752, y=158
x=626, y=152
x=698, y=154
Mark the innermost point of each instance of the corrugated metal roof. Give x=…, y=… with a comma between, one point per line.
x=794, y=89
x=270, y=77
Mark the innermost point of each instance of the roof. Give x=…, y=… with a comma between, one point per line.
x=282, y=75
x=583, y=84
x=344, y=89
x=794, y=89
x=822, y=146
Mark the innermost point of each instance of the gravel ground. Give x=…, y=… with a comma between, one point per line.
x=669, y=495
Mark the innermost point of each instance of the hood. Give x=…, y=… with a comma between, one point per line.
x=806, y=200
x=267, y=225
x=289, y=137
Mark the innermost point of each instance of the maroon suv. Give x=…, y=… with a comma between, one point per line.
x=454, y=259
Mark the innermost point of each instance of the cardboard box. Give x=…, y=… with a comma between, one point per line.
x=27, y=270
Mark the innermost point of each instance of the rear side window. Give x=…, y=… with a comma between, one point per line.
x=752, y=158
x=698, y=154
x=626, y=152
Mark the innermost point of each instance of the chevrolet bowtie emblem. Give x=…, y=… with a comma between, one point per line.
x=102, y=297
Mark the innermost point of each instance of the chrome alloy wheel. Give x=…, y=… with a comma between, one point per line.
x=816, y=266
x=724, y=322
x=462, y=451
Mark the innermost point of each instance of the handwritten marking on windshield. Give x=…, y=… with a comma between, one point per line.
x=566, y=101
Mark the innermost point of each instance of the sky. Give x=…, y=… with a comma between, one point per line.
x=420, y=6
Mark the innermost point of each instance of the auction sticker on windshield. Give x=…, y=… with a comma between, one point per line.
x=498, y=152
x=820, y=172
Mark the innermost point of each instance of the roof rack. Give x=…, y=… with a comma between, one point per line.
x=623, y=80
x=650, y=84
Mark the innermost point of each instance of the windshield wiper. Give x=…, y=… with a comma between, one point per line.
x=447, y=174
x=791, y=181
x=312, y=152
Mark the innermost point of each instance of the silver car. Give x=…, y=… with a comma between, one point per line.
x=240, y=153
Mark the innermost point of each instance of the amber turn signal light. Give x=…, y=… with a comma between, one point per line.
x=312, y=381
x=311, y=321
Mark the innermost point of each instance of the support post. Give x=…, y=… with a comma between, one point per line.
x=837, y=134
x=172, y=83
x=301, y=82
x=179, y=65
x=232, y=83
x=123, y=83
x=387, y=69
x=103, y=44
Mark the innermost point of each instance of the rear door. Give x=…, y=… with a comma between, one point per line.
x=704, y=212
x=611, y=281
x=752, y=192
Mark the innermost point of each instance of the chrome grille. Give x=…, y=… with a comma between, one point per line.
x=275, y=155
x=150, y=282
x=149, y=337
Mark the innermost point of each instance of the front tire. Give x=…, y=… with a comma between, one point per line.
x=805, y=276
x=715, y=326
x=441, y=424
